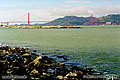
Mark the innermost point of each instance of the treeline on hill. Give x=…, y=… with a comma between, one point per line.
x=112, y=19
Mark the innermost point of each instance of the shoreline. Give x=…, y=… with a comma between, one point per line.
x=61, y=27
x=42, y=27
x=21, y=61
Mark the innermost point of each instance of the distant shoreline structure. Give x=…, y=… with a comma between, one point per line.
x=60, y=27
x=44, y=27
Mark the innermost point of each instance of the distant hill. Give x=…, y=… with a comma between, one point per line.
x=112, y=18
x=83, y=21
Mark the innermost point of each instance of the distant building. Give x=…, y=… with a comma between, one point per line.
x=108, y=23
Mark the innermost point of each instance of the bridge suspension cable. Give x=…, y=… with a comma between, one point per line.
x=29, y=21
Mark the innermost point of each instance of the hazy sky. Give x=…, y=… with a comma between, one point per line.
x=51, y=9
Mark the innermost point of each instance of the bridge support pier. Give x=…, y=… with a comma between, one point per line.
x=28, y=19
x=91, y=19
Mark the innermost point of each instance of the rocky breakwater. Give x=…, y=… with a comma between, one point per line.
x=22, y=62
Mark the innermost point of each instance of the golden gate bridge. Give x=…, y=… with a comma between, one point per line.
x=30, y=21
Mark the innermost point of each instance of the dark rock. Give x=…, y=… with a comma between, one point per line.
x=21, y=61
